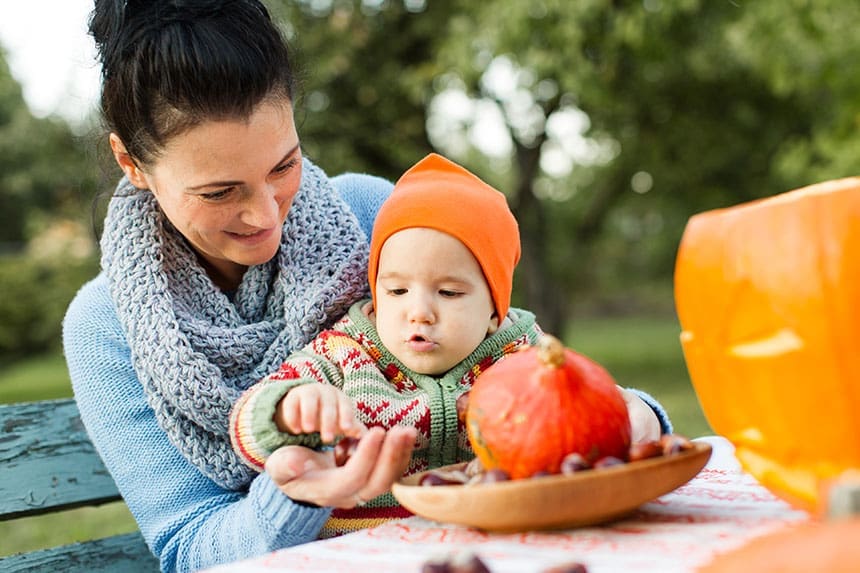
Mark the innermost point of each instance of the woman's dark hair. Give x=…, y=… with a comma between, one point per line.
x=169, y=65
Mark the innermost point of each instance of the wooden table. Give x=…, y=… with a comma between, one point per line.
x=718, y=510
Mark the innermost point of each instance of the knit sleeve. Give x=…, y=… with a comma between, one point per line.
x=253, y=431
x=188, y=521
x=659, y=411
x=364, y=194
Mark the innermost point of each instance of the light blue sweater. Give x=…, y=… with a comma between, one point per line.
x=188, y=521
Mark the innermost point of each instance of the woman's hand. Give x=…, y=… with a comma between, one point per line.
x=318, y=408
x=312, y=477
x=644, y=425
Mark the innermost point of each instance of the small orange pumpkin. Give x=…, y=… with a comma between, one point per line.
x=768, y=297
x=527, y=412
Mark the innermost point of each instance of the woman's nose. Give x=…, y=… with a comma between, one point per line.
x=262, y=210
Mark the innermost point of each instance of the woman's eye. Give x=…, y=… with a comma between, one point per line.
x=285, y=167
x=216, y=195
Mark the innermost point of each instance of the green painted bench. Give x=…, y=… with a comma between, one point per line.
x=48, y=465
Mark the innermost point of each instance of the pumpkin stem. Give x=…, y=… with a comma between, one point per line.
x=844, y=496
x=550, y=351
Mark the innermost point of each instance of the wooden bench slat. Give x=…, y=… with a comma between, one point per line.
x=47, y=465
x=121, y=554
x=48, y=462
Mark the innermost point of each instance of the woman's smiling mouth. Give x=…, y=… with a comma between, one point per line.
x=251, y=238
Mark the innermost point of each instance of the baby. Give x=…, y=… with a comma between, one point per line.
x=442, y=257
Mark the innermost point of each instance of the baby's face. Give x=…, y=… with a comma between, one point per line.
x=433, y=305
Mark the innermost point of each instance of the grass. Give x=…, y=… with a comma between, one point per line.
x=644, y=352
x=32, y=533
x=639, y=351
x=43, y=378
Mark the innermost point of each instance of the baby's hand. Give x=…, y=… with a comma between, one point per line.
x=310, y=476
x=644, y=425
x=319, y=408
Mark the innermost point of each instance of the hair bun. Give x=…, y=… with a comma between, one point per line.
x=115, y=24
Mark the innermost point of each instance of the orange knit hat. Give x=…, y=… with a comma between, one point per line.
x=437, y=193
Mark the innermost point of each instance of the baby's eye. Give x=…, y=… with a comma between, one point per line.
x=449, y=293
x=397, y=291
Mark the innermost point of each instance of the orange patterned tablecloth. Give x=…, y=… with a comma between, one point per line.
x=718, y=510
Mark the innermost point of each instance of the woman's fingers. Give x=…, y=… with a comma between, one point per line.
x=295, y=463
x=392, y=461
x=379, y=460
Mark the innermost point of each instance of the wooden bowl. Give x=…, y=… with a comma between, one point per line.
x=552, y=502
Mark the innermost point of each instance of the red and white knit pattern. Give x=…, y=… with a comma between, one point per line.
x=350, y=357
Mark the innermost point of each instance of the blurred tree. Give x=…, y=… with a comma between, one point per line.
x=45, y=171
x=367, y=71
x=808, y=51
x=621, y=115
x=46, y=178
x=607, y=122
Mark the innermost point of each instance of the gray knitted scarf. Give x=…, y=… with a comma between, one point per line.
x=193, y=348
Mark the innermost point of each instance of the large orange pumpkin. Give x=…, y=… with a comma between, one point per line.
x=768, y=297
x=527, y=412
x=811, y=547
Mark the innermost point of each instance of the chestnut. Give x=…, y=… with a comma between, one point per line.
x=441, y=477
x=674, y=444
x=608, y=462
x=645, y=450
x=574, y=567
x=344, y=449
x=573, y=463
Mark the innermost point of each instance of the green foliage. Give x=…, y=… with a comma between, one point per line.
x=688, y=105
x=44, y=377
x=35, y=296
x=32, y=533
x=683, y=106
x=643, y=352
x=44, y=166
x=367, y=74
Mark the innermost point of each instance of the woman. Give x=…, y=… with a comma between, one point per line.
x=223, y=250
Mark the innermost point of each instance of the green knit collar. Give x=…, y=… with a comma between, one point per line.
x=522, y=331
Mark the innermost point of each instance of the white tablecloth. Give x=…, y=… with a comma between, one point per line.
x=718, y=510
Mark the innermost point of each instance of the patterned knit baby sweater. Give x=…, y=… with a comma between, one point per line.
x=386, y=393
x=189, y=521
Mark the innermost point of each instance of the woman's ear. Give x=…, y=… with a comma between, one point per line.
x=126, y=162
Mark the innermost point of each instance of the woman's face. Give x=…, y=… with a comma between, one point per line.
x=227, y=186
x=433, y=305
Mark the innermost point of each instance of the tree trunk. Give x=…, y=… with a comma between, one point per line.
x=540, y=293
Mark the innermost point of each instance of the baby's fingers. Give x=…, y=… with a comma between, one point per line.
x=338, y=416
x=288, y=414
x=350, y=424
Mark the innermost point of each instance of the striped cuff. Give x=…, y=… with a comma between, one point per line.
x=253, y=432
x=662, y=416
